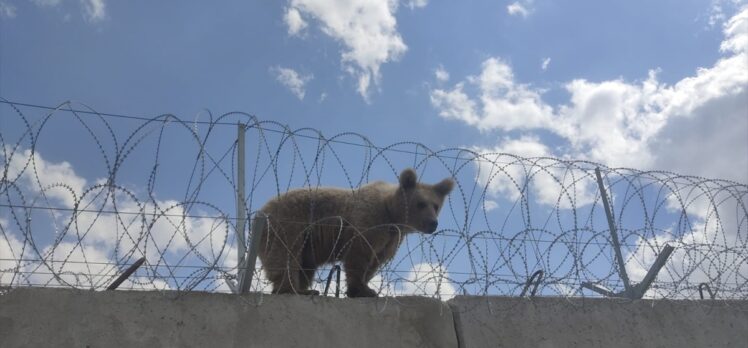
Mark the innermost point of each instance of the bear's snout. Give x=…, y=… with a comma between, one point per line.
x=431, y=226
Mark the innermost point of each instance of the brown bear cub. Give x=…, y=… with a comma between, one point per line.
x=362, y=228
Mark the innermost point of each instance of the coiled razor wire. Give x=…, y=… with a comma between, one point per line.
x=83, y=195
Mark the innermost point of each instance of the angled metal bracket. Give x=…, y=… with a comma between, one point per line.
x=128, y=272
x=247, y=268
x=534, y=280
x=630, y=291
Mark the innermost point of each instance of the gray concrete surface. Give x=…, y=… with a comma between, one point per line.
x=35, y=317
x=558, y=322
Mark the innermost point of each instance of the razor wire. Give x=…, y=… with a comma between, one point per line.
x=84, y=195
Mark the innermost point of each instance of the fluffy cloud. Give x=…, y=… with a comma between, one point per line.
x=550, y=183
x=7, y=10
x=292, y=80
x=441, y=74
x=428, y=279
x=422, y=279
x=94, y=10
x=714, y=222
x=412, y=4
x=620, y=123
x=294, y=22
x=366, y=28
x=545, y=63
x=520, y=8
x=489, y=205
x=502, y=103
x=53, y=180
x=10, y=249
x=718, y=9
x=46, y=3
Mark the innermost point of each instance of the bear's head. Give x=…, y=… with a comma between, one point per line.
x=419, y=204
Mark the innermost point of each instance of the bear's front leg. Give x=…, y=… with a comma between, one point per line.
x=363, y=261
x=356, y=274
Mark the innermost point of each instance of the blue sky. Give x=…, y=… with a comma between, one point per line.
x=641, y=84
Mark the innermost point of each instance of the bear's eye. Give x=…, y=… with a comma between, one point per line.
x=421, y=205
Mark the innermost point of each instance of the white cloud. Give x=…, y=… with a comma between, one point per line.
x=428, y=279
x=612, y=121
x=292, y=80
x=54, y=180
x=620, y=123
x=736, y=30
x=549, y=183
x=544, y=64
x=495, y=171
x=503, y=103
x=366, y=28
x=520, y=8
x=489, y=205
x=713, y=222
x=441, y=74
x=718, y=9
x=413, y=4
x=455, y=104
x=46, y=3
x=422, y=279
x=94, y=10
x=7, y=10
x=10, y=251
x=294, y=22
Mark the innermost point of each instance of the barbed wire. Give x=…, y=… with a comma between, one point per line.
x=85, y=194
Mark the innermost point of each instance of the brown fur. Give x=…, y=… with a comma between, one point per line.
x=362, y=228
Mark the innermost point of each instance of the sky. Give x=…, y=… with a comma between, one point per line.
x=635, y=84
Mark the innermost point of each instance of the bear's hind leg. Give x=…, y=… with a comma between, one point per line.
x=307, y=272
x=306, y=278
x=291, y=281
x=282, y=281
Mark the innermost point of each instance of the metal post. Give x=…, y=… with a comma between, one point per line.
x=241, y=205
x=613, y=234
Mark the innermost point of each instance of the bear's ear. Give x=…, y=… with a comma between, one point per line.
x=444, y=187
x=408, y=179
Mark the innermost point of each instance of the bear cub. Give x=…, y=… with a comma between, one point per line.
x=362, y=228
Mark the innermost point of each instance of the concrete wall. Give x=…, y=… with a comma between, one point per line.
x=557, y=322
x=68, y=318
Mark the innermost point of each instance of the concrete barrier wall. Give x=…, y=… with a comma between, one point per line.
x=585, y=322
x=68, y=318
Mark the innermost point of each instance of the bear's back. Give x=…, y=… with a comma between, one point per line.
x=314, y=203
x=308, y=204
